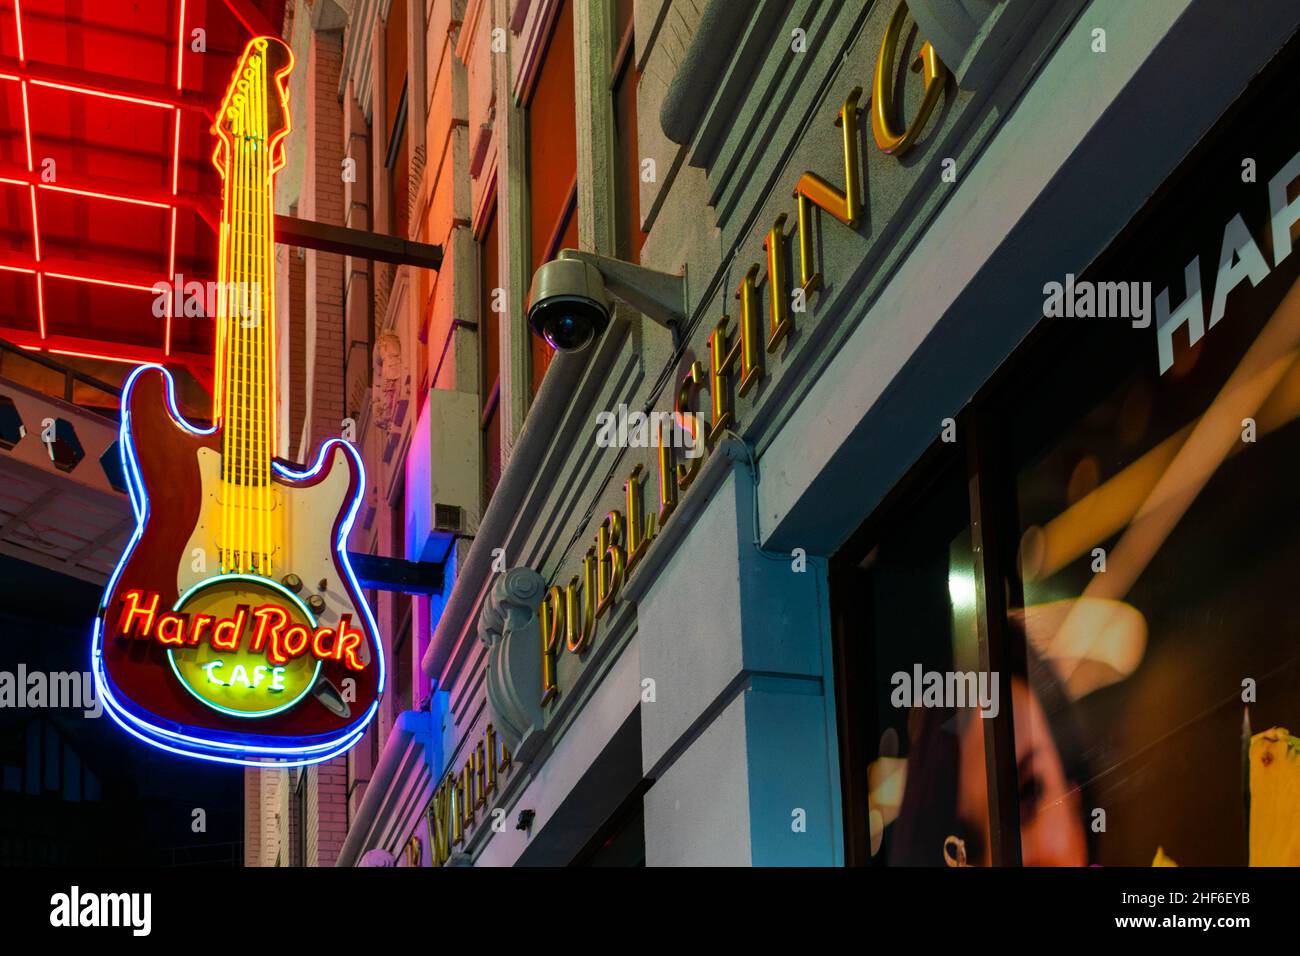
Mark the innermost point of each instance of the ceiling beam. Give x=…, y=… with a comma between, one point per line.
x=34, y=507
x=42, y=560
x=90, y=82
x=101, y=273
x=59, y=345
x=374, y=246
x=206, y=208
x=253, y=19
x=90, y=547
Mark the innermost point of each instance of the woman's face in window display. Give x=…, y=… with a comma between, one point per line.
x=1051, y=820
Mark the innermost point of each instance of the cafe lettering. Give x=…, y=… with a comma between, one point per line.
x=737, y=362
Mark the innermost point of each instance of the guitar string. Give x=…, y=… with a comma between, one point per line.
x=230, y=424
x=259, y=328
x=236, y=463
x=230, y=201
x=267, y=303
x=266, y=257
x=223, y=366
x=272, y=390
x=250, y=330
x=236, y=353
x=232, y=398
x=248, y=541
x=242, y=331
x=250, y=357
x=238, y=364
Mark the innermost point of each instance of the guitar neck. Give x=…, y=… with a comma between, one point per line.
x=251, y=125
x=245, y=399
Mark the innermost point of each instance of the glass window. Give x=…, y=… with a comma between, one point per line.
x=402, y=668
x=397, y=161
x=490, y=358
x=910, y=615
x=624, y=80
x=1159, y=538
x=552, y=164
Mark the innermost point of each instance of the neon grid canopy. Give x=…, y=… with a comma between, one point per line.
x=106, y=180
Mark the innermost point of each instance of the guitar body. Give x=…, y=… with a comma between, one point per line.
x=156, y=681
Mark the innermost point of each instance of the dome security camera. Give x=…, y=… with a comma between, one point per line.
x=567, y=305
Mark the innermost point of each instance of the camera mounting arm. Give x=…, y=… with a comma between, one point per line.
x=659, y=295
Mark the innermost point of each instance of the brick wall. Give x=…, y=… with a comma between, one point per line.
x=322, y=201
x=252, y=818
x=312, y=821
x=332, y=809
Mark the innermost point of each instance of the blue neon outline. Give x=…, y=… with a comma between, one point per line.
x=202, y=745
x=345, y=745
x=111, y=701
x=218, y=751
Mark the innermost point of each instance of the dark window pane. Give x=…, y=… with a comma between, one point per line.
x=552, y=162
x=627, y=163
x=913, y=603
x=489, y=319
x=394, y=127
x=542, y=353
x=490, y=358
x=492, y=455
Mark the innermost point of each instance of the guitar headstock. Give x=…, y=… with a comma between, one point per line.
x=256, y=105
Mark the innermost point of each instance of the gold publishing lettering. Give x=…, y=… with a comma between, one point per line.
x=889, y=140
x=812, y=190
x=618, y=551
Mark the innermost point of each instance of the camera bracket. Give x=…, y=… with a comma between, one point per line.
x=661, y=296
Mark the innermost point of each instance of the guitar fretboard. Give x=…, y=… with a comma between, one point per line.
x=245, y=399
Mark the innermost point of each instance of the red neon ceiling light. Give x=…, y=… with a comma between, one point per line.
x=120, y=68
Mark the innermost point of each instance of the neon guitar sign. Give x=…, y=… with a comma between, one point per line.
x=233, y=628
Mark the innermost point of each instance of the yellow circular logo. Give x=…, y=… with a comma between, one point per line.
x=237, y=626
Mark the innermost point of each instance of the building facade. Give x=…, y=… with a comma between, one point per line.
x=918, y=431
